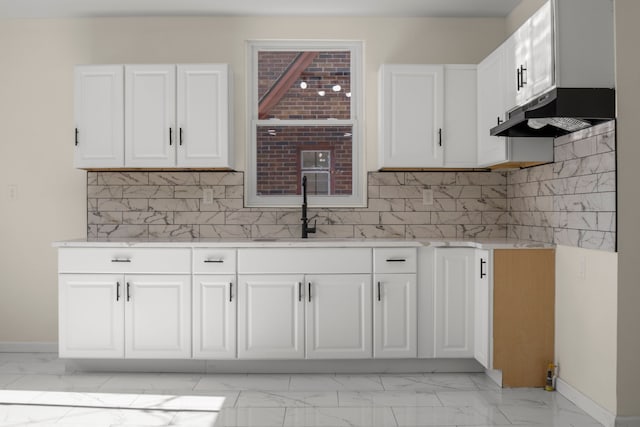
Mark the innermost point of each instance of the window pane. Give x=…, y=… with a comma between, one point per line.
x=304, y=85
x=279, y=158
x=315, y=160
x=317, y=183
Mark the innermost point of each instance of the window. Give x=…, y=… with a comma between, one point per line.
x=315, y=165
x=305, y=103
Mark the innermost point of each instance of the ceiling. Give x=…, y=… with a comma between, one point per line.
x=398, y=8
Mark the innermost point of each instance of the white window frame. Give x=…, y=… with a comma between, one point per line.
x=358, y=175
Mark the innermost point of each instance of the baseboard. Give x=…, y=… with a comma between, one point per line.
x=627, y=421
x=494, y=375
x=28, y=347
x=592, y=408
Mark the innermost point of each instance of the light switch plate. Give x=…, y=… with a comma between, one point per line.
x=207, y=196
x=427, y=196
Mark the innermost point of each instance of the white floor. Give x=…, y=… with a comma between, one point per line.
x=36, y=390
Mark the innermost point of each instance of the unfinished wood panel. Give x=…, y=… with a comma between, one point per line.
x=523, y=315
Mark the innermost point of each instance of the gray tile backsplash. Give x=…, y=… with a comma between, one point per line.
x=569, y=202
x=572, y=201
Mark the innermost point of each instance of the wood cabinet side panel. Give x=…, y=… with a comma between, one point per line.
x=523, y=316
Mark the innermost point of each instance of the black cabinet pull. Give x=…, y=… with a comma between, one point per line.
x=299, y=291
x=76, y=137
x=117, y=291
x=121, y=260
x=216, y=261
x=180, y=136
x=523, y=80
x=378, y=291
x=440, y=137
x=499, y=120
x=170, y=136
x=309, y=291
x=230, y=291
x=482, y=273
x=396, y=260
x=128, y=291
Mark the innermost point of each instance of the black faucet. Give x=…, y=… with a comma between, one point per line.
x=305, y=221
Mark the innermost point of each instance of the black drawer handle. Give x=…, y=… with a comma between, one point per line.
x=396, y=260
x=482, y=273
x=215, y=261
x=121, y=260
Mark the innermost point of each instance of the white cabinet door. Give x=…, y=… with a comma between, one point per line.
x=491, y=87
x=454, y=303
x=270, y=317
x=482, y=307
x=394, y=316
x=338, y=319
x=214, y=316
x=203, y=116
x=158, y=316
x=522, y=49
x=99, y=116
x=411, y=116
x=150, y=113
x=460, y=132
x=541, y=77
x=91, y=315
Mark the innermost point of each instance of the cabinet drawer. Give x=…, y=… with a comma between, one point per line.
x=394, y=260
x=213, y=261
x=304, y=260
x=124, y=260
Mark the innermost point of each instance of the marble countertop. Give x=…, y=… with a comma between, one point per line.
x=302, y=243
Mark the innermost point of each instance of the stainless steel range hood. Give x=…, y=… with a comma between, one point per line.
x=558, y=112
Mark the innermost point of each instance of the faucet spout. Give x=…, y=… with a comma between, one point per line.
x=305, y=221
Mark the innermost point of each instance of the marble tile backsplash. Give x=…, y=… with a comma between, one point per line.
x=170, y=205
x=571, y=202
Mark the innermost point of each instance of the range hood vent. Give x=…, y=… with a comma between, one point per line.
x=558, y=112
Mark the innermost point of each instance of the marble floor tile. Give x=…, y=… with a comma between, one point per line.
x=484, y=382
x=7, y=379
x=251, y=417
x=44, y=382
x=449, y=416
x=109, y=417
x=17, y=415
x=320, y=382
x=196, y=419
x=100, y=400
x=334, y=417
x=545, y=416
x=31, y=363
x=483, y=398
x=232, y=382
x=284, y=399
x=137, y=383
x=179, y=403
x=428, y=382
x=387, y=398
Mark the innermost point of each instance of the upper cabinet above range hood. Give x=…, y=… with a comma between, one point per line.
x=558, y=112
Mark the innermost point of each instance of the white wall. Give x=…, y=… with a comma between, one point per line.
x=36, y=148
x=586, y=321
x=628, y=133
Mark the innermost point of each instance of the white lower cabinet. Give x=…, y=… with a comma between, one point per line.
x=338, y=316
x=463, y=304
x=394, y=315
x=214, y=316
x=132, y=316
x=454, y=303
x=270, y=317
x=91, y=315
x=158, y=316
x=482, y=309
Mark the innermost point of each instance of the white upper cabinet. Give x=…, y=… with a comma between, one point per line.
x=491, y=108
x=153, y=116
x=541, y=76
x=150, y=121
x=203, y=116
x=411, y=116
x=459, y=135
x=99, y=116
